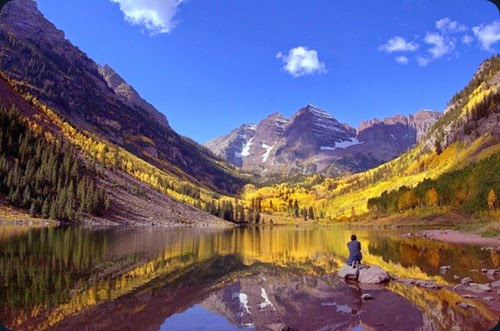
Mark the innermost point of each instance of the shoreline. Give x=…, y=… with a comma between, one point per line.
x=460, y=237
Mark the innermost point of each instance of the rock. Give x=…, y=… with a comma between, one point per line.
x=373, y=275
x=465, y=305
x=469, y=296
x=456, y=287
x=485, y=287
x=427, y=284
x=484, y=271
x=348, y=272
x=498, y=292
x=455, y=277
x=366, y=296
x=478, y=288
x=407, y=281
x=488, y=298
x=466, y=280
x=491, y=272
x=445, y=267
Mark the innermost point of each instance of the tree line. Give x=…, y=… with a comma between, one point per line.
x=236, y=212
x=45, y=176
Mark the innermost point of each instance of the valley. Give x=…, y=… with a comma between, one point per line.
x=110, y=218
x=309, y=168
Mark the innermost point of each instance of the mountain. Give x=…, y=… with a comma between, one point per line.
x=313, y=141
x=128, y=95
x=36, y=56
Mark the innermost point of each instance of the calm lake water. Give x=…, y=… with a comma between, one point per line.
x=257, y=278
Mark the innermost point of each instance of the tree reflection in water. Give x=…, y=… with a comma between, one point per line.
x=69, y=277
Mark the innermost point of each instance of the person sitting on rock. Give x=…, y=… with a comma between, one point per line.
x=355, y=255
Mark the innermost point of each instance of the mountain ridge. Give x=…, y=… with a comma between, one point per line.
x=313, y=141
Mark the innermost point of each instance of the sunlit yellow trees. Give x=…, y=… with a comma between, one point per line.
x=492, y=199
x=431, y=197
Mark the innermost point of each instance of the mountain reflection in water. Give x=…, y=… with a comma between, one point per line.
x=258, y=277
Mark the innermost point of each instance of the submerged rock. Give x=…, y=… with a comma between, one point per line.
x=465, y=305
x=478, y=288
x=373, y=275
x=469, y=296
x=427, y=284
x=366, y=296
x=491, y=272
x=407, y=281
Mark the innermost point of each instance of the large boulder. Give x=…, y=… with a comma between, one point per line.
x=373, y=275
x=348, y=272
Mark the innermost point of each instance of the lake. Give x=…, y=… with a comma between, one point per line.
x=253, y=278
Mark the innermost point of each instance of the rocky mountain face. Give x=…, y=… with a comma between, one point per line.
x=313, y=141
x=128, y=95
x=230, y=147
x=36, y=55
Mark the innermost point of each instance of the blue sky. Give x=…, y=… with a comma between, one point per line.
x=211, y=65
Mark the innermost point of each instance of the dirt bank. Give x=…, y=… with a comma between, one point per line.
x=458, y=237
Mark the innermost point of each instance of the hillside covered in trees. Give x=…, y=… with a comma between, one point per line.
x=471, y=189
x=41, y=173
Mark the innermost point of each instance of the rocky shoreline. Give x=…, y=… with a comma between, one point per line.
x=487, y=293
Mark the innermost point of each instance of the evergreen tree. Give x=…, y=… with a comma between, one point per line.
x=45, y=209
x=33, y=209
x=53, y=211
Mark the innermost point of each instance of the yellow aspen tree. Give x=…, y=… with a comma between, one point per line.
x=431, y=197
x=492, y=199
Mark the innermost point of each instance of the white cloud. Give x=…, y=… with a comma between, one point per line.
x=398, y=44
x=487, y=34
x=446, y=25
x=402, y=60
x=467, y=40
x=157, y=16
x=302, y=61
x=423, y=61
x=449, y=39
x=440, y=46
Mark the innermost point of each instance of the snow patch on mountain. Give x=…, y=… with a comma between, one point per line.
x=268, y=151
x=342, y=144
x=246, y=148
x=345, y=144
